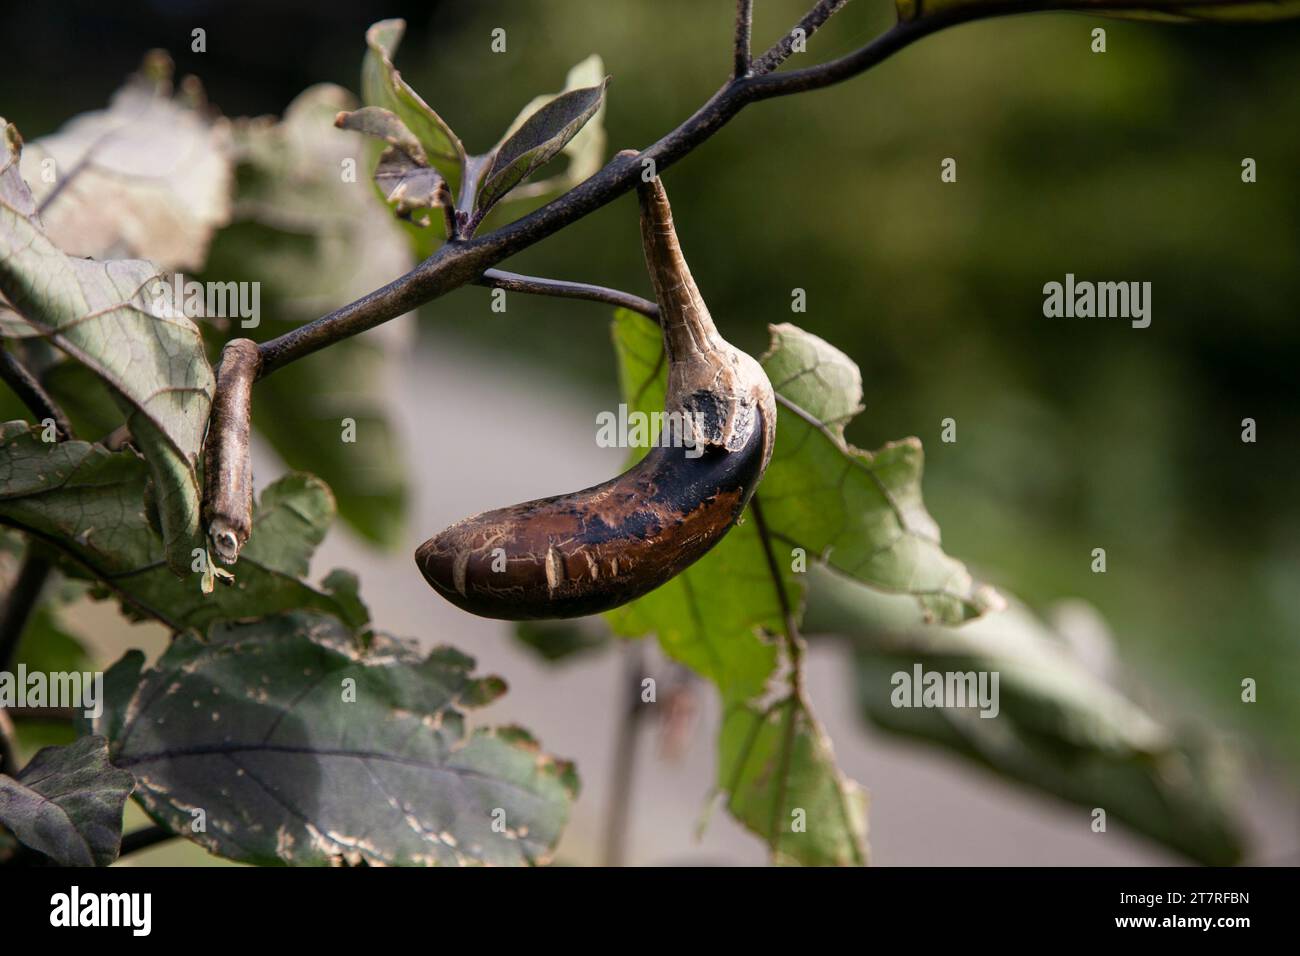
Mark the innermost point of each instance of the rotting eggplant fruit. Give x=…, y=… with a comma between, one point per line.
x=596, y=549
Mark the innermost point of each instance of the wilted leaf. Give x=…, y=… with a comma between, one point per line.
x=1226, y=10
x=67, y=803
x=382, y=124
x=103, y=315
x=302, y=749
x=89, y=503
x=403, y=174
x=860, y=512
x=150, y=177
x=1059, y=727
x=315, y=243
x=382, y=85
x=537, y=140
x=778, y=771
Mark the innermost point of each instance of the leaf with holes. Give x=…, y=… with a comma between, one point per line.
x=860, y=512
x=303, y=748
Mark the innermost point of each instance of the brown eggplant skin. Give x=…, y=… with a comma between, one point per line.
x=596, y=549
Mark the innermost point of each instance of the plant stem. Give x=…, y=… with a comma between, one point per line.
x=227, y=466
x=793, y=641
x=558, y=288
x=744, y=28
x=22, y=599
x=144, y=838
x=810, y=24
x=458, y=263
x=35, y=569
x=29, y=390
x=623, y=772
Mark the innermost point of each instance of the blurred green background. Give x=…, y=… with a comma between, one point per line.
x=1073, y=434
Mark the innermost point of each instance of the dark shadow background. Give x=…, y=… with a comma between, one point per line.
x=1072, y=434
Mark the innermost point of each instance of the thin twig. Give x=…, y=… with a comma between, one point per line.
x=744, y=27
x=144, y=838
x=558, y=288
x=896, y=38
x=805, y=28
x=32, y=394
x=35, y=570
x=458, y=263
x=22, y=600
x=623, y=771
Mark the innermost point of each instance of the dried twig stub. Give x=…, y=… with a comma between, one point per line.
x=227, y=466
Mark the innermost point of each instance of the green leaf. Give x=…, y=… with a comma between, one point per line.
x=315, y=243
x=712, y=615
x=257, y=726
x=67, y=803
x=382, y=85
x=1059, y=728
x=120, y=682
x=87, y=502
x=585, y=152
x=1222, y=10
x=716, y=617
x=101, y=314
x=860, y=512
x=150, y=177
x=779, y=774
x=537, y=141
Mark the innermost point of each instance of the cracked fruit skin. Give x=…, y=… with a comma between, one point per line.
x=596, y=549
